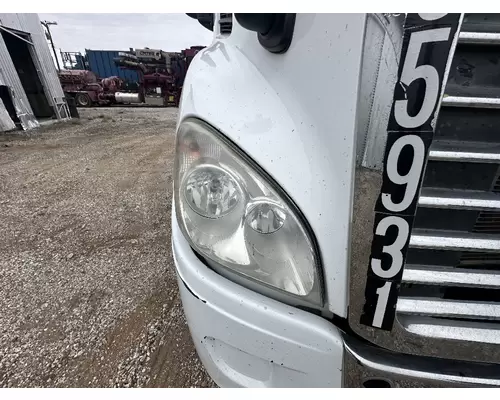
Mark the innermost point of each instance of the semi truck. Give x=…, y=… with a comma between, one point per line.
x=88, y=90
x=336, y=213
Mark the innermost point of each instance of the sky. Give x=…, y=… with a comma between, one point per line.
x=168, y=32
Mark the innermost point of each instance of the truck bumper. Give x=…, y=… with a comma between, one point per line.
x=245, y=339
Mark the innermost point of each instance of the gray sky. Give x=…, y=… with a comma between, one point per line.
x=168, y=32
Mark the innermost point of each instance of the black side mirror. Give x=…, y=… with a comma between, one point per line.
x=274, y=31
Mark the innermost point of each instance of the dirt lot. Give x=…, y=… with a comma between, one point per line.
x=88, y=294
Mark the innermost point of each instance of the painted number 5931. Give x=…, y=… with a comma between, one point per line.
x=427, y=47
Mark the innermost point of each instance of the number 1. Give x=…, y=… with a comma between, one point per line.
x=383, y=297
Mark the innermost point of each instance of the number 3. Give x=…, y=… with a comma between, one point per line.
x=394, y=250
x=427, y=72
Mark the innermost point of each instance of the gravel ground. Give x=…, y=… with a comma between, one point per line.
x=87, y=283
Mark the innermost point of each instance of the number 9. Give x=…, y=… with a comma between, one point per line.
x=411, y=179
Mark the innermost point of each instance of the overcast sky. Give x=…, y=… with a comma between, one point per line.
x=168, y=32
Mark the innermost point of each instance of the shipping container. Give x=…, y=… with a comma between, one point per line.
x=102, y=64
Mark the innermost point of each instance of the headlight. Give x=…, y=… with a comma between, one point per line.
x=233, y=216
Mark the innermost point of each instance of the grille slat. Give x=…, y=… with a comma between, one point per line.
x=479, y=332
x=445, y=276
x=459, y=199
x=449, y=308
x=473, y=102
x=454, y=241
x=464, y=152
x=481, y=38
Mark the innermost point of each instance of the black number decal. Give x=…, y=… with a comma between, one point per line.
x=427, y=47
x=394, y=266
x=404, y=184
x=380, y=305
x=427, y=72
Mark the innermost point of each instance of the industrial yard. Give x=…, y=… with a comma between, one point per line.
x=89, y=294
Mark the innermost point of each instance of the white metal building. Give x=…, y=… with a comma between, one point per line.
x=30, y=90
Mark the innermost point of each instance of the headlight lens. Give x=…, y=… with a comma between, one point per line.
x=234, y=217
x=211, y=192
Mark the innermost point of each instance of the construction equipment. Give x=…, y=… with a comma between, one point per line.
x=161, y=76
x=88, y=90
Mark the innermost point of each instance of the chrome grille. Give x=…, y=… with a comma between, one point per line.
x=451, y=282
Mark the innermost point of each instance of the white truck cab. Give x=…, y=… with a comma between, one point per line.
x=336, y=216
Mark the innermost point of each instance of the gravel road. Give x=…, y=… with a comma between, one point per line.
x=88, y=295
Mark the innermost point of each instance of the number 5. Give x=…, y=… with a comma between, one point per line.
x=427, y=72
